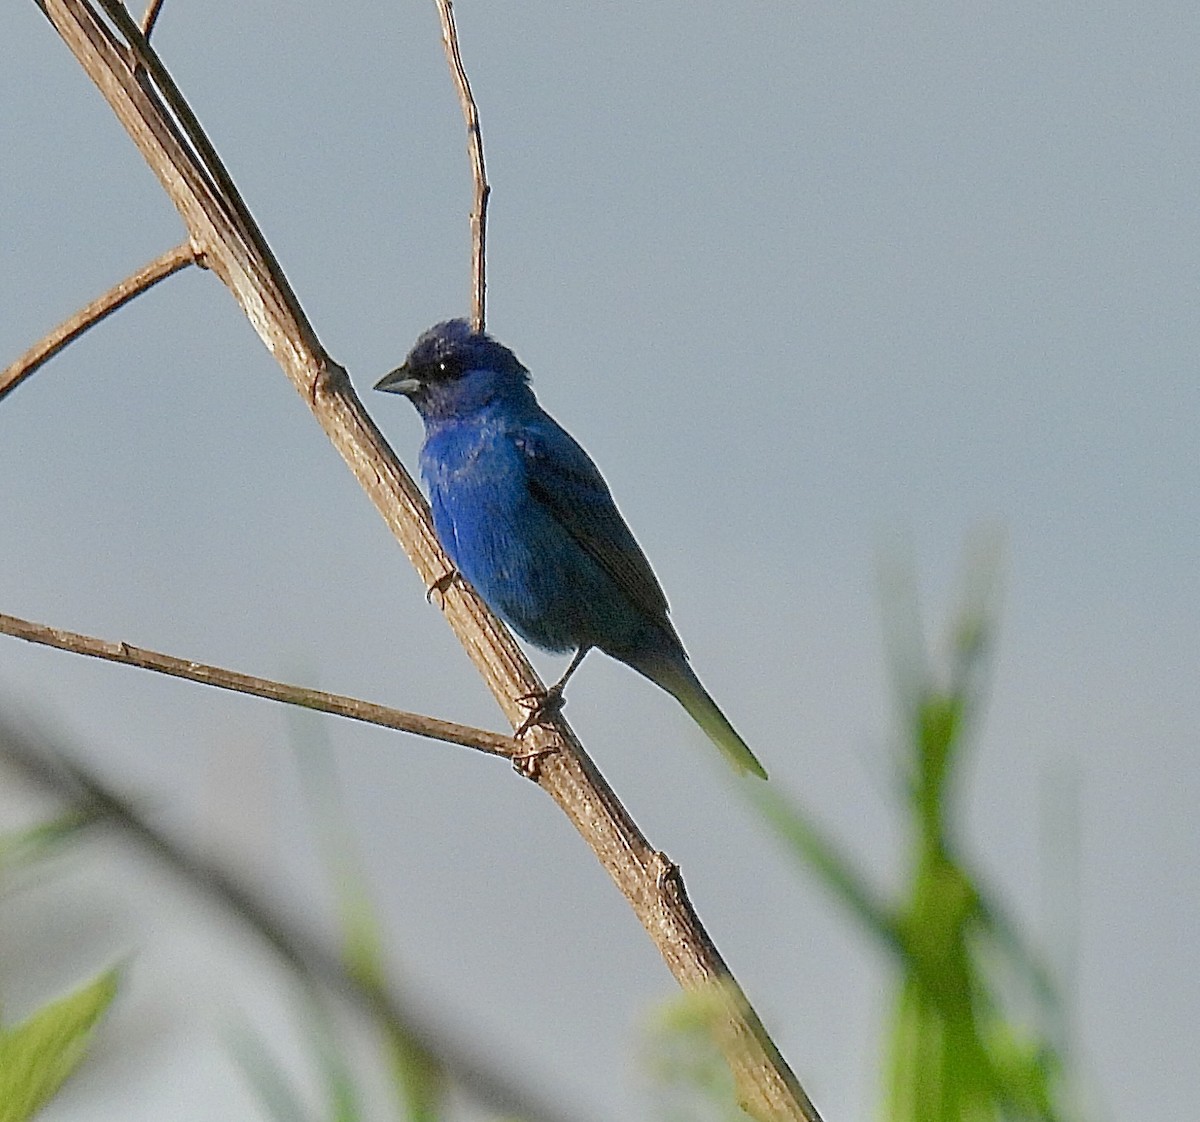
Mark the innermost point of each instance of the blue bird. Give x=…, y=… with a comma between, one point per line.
x=526, y=517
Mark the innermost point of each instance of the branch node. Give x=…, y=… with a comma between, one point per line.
x=668, y=880
x=199, y=255
x=330, y=382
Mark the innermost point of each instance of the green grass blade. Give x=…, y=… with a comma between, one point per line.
x=689, y=1076
x=417, y=1076
x=833, y=868
x=25, y=847
x=39, y=1054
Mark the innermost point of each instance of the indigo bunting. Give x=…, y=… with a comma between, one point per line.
x=525, y=516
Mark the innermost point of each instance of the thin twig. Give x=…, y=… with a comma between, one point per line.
x=470, y=113
x=91, y=314
x=151, y=17
x=197, y=159
x=306, y=954
x=190, y=172
x=368, y=712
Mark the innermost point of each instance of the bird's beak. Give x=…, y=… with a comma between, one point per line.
x=399, y=381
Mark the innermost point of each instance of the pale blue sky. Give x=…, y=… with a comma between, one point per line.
x=807, y=281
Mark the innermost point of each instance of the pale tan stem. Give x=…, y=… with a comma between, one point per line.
x=493, y=743
x=470, y=111
x=91, y=314
x=151, y=17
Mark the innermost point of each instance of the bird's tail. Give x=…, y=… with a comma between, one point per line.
x=679, y=680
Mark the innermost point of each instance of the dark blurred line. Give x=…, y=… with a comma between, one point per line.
x=39, y=762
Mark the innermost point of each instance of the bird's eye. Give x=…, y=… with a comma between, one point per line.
x=444, y=369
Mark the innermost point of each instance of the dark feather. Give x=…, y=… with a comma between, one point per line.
x=564, y=480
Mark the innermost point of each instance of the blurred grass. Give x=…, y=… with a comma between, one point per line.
x=955, y=1051
x=978, y=1031
x=39, y=1054
x=416, y=1077
x=689, y=1080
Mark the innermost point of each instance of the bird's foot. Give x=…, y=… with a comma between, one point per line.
x=441, y=585
x=529, y=764
x=543, y=708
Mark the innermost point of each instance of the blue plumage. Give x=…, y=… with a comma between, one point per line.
x=526, y=517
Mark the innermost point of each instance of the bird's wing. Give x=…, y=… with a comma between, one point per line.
x=562, y=477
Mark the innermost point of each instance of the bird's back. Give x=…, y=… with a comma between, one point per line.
x=529, y=521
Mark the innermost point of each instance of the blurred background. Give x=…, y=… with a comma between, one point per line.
x=814, y=285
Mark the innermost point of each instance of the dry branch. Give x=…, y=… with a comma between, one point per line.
x=91, y=314
x=470, y=112
x=165, y=130
x=151, y=17
x=352, y=708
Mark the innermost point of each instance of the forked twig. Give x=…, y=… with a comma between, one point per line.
x=162, y=125
x=470, y=113
x=151, y=17
x=91, y=314
x=493, y=743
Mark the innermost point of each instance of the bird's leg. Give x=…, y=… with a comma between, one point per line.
x=441, y=584
x=544, y=706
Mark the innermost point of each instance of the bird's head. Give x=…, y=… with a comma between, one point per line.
x=453, y=371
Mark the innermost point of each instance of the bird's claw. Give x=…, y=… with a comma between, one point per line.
x=441, y=585
x=543, y=708
x=529, y=764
